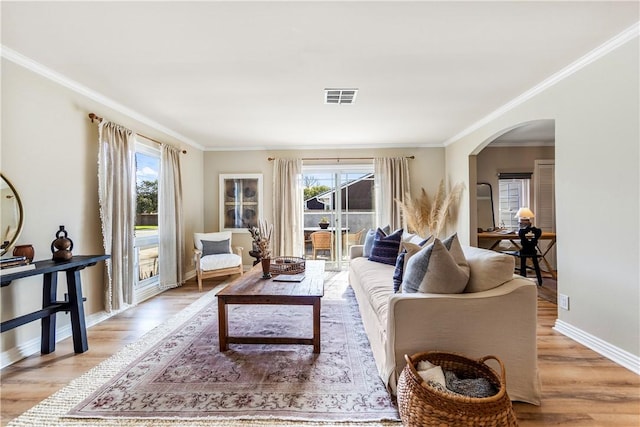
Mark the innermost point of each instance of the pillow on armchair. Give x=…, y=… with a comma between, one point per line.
x=219, y=237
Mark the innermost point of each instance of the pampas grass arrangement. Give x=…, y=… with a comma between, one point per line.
x=425, y=216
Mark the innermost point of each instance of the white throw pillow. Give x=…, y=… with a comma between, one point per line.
x=489, y=269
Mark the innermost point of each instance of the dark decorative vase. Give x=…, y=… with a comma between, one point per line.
x=62, y=246
x=266, y=268
x=26, y=251
x=324, y=225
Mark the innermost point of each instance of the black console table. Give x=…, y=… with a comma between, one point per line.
x=49, y=269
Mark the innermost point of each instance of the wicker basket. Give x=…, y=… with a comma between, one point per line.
x=422, y=405
x=287, y=265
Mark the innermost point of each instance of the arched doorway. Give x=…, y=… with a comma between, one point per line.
x=518, y=163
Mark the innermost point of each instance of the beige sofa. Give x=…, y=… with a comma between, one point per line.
x=500, y=321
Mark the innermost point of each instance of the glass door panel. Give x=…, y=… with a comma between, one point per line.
x=343, y=197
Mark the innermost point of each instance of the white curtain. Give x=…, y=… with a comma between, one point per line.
x=171, y=245
x=287, y=208
x=116, y=190
x=391, y=183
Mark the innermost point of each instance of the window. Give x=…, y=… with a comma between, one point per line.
x=514, y=194
x=146, y=226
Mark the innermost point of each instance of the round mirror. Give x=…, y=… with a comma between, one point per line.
x=11, y=216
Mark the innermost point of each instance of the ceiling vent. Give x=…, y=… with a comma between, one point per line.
x=340, y=96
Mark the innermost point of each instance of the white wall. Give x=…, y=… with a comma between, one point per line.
x=49, y=152
x=597, y=118
x=426, y=170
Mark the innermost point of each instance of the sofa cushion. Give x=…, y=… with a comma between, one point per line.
x=436, y=269
x=489, y=269
x=385, y=248
x=375, y=280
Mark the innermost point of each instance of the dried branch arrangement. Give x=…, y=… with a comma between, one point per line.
x=261, y=236
x=425, y=216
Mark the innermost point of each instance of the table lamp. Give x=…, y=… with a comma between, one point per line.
x=524, y=216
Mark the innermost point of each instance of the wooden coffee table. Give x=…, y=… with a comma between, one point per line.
x=251, y=288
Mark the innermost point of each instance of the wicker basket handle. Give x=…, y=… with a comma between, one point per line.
x=502, y=369
x=411, y=367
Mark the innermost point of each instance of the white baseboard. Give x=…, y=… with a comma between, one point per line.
x=32, y=346
x=617, y=355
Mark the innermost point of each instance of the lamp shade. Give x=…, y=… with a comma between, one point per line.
x=524, y=213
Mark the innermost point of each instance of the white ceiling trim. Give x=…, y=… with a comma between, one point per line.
x=322, y=147
x=521, y=144
x=48, y=73
x=605, y=48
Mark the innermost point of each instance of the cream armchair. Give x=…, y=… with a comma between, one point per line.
x=214, y=256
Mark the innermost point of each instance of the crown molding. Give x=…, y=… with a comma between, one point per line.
x=605, y=48
x=62, y=80
x=519, y=144
x=322, y=147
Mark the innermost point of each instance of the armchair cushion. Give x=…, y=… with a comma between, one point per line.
x=215, y=248
x=212, y=237
x=220, y=261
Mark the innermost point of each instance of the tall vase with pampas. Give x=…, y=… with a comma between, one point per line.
x=425, y=216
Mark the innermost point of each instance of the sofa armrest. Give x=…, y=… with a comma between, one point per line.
x=356, y=251
x=500, y=321
x=238, y=250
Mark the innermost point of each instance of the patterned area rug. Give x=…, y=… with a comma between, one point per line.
x=184, y=375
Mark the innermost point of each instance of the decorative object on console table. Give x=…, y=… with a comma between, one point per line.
x=62, y=246
x=26, y=251
x=15, y=264
x=524, y=216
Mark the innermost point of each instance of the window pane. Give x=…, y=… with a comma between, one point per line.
x=146, y=224
x=147, y=169
x=514, y=194
x=147, y=263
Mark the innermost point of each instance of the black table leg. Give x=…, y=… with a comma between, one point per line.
x=76, y=306
x=48, y=334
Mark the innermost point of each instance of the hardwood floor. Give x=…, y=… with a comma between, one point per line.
x=580, y=387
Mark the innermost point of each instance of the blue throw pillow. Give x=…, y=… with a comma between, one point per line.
x=370, y=237
x=408, y=250
x=215, y=248
x=368, y=243
x=385, y=248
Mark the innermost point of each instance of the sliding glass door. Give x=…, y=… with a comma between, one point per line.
x=338, y=199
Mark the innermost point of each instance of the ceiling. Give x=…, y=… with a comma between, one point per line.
x=249, y=75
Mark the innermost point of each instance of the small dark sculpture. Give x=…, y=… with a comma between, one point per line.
x=62, y=246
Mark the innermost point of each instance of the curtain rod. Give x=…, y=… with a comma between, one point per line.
x=93, y=117
x=340, y=158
